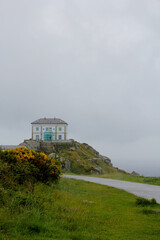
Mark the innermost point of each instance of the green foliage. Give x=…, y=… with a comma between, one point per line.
x=145, y=202
x=148, y=211
x=21, y=165
x=75, y=210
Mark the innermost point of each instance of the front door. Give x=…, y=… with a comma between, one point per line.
x=48, y=136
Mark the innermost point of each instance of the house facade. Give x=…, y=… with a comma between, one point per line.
x=49, y=129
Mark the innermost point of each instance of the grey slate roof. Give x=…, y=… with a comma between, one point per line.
x=49, y=121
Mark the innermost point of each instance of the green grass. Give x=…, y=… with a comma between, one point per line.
x=75, y=210
x=131, y=178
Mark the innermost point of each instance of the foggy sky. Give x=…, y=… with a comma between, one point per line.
x=94, y=64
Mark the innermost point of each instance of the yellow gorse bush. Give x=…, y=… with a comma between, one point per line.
x=30, y=164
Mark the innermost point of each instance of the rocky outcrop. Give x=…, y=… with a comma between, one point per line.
x=31, y=144
x=97, y=169
x=135, y=173
x=89, y=148
x=101, y=158
x=66, y=165
x=105, y=160
x=52, y=155
x=96, y=161
x=73, y=156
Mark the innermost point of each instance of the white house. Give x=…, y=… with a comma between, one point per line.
x=49, y=129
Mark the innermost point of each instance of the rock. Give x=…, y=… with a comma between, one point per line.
x=31, y=144
x=67, y=165
x=98, y=170
x=101, y=158
x=86, y=201
x=135, y=173
x=89, y=148
x=105, y=160
x=72, y=148
x=52, y=155
x=93, y=160
x=77, y=145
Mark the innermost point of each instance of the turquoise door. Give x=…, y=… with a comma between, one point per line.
x=48, y=136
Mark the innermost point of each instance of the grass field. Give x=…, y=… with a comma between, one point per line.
x=75, y=210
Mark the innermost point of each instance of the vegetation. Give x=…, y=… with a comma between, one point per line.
x=32, y=206
x=145, y=202
x=75, y=210
x=24, y=166
x=79, y=154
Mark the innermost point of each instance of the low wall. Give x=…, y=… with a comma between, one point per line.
x=47, y=147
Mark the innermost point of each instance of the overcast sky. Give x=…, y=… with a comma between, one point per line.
x=93, y=63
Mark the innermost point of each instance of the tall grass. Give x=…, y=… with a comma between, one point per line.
x=75, y=210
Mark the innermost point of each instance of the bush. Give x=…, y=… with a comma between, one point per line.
x=153, y=201
x=21, y=165
x=145, y=202
x=148, y=211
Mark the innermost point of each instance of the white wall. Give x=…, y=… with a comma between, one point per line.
x=51, y=127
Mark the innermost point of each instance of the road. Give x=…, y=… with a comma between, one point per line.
x=139, y=189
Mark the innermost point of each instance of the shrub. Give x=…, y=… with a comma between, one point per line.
x=148, y=211
x=145, y=202
x=153, y=201
x=21, y=165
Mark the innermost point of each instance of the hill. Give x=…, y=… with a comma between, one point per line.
x=75, y=157
x=33, y=206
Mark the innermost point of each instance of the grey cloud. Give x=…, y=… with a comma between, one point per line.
x=93, y=64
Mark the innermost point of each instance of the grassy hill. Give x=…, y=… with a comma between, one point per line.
x=36, y=204
x=80, y=158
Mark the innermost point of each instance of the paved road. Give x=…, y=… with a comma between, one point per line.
x=139, y=189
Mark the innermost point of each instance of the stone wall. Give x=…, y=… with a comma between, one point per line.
x=46, y=147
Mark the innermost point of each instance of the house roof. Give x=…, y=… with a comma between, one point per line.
x=49, y=121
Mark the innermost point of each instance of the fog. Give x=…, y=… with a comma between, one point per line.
x=94, y=64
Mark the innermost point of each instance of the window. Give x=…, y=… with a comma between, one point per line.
x=60, y=129
x=53, y=129
x=46, y=128
x=59, y=137
x=50, y=129
x=37, y=129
